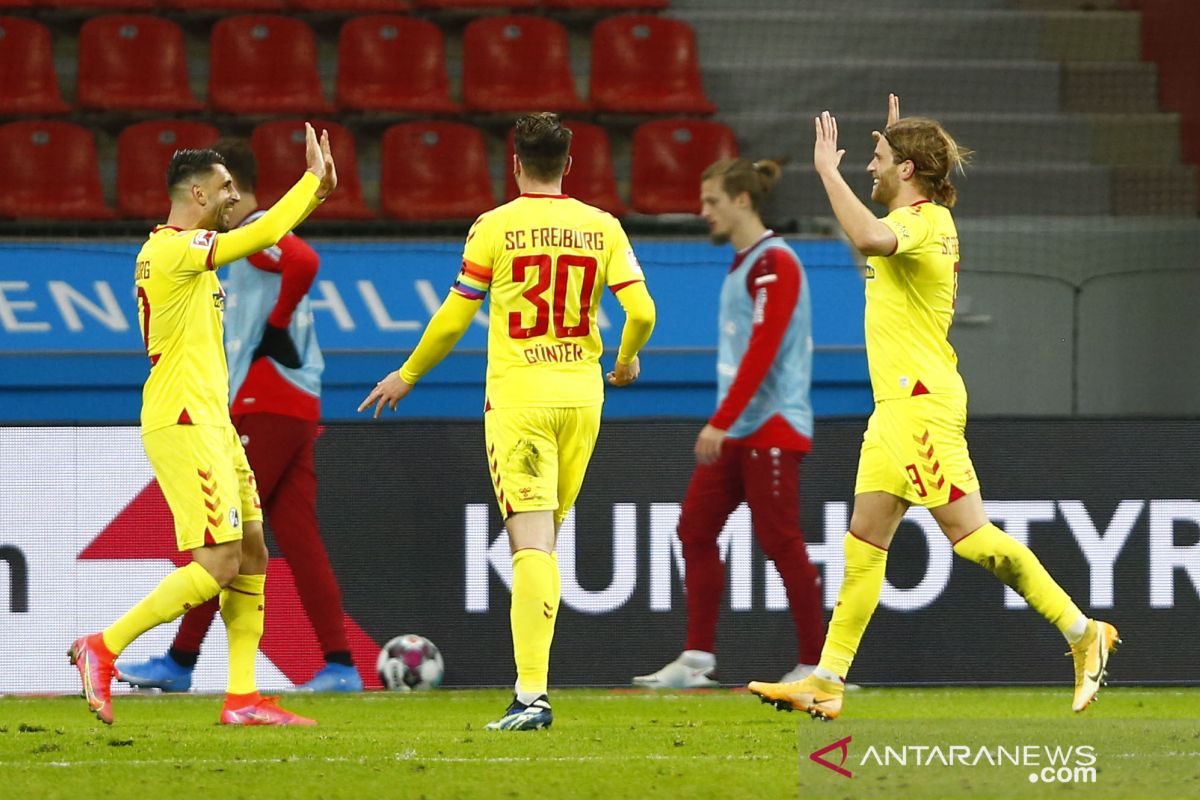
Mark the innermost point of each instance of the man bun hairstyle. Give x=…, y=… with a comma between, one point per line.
x=543, y=145
x=239, y=160
x=188, y=164
x=738, y=175
x=934, y=155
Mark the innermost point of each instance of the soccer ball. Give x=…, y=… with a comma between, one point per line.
x=410, y=663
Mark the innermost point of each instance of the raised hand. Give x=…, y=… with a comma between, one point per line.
x=312, y=152
x=329, y=181
x=826, y=156
x=893, y=110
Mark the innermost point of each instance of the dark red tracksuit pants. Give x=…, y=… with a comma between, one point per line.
x=280, y=451
x=768, y=480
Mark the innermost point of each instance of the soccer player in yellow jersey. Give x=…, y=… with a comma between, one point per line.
x=914, y=449
x=186, y=429
x=545, y=258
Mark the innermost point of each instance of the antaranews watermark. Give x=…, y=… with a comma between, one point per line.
x=1046, y=764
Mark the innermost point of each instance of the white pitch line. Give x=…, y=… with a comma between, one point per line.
x=1166, y=754
x=408, y=755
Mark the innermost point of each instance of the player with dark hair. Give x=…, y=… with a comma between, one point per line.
x=186, y=429
x=752, y=447
x=915, y=449
x=545, y=258
x=276, y=396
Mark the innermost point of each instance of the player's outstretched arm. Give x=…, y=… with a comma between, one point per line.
x=443, y=332
x=870, y=236
x=639, y=324
x=290, y=210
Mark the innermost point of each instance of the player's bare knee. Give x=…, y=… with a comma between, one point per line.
x=224, y=568
x=254, y=550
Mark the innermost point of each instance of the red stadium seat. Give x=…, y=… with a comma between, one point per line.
x=263, y=64
x=279, y=149
x=50, y=172
x=591, y=177
x=437, y=5
x=236, y=6
x=434, y=170
x=518, y=63
x=143, y=152
x=30, y=85
x=607, y=5
x=7, y=4
x=668, y=157
x=100, y=5
x=390, y=63
x=133, y=63
x=351, y=6
x=646, y=65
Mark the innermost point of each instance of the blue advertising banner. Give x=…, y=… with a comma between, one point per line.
x=71, y=349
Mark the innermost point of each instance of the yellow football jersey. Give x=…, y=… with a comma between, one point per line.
x=545, y=260
x=910, y=305
x=180, y=308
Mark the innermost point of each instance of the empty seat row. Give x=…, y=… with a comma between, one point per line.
x=267, y=64
x=428, y=170
x=336, y=6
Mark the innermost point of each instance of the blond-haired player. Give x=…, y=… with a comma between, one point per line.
x=915, y=450
x=186, y=429
x=545, y=258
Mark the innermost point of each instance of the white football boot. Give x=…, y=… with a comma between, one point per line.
x=692, y=670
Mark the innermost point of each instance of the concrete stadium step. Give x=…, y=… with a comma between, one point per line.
x=1110, y=86
x=1021, y=189
x=1128, y=139
x=1042, y=189
x=848, y=7
x=768, y=35
x=1076, y=249
x=938, y=87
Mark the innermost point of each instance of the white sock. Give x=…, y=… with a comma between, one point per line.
x=826, y=675
x=527, y=698
x=1077, y=630
x=698, y=659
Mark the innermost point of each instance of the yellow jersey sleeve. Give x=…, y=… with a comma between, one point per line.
x=623, y=266
x=911, y=228
x=479, y=256
x=194, y=252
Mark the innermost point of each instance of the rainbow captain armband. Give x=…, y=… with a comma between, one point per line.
x=473, y=281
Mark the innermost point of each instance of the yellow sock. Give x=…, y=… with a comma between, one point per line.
x=557, y=580
x=1016, y=565
x=184, y=588
x=534, y=609
x=863, y=579
x=242, y=610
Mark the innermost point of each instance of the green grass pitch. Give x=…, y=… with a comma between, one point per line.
x=604, y=744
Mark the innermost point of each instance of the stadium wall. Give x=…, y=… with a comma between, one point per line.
x=1045, y=334
x=409, y=517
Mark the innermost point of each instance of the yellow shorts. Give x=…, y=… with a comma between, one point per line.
x=538, y=456
x=207, y=481
x=916, y=448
